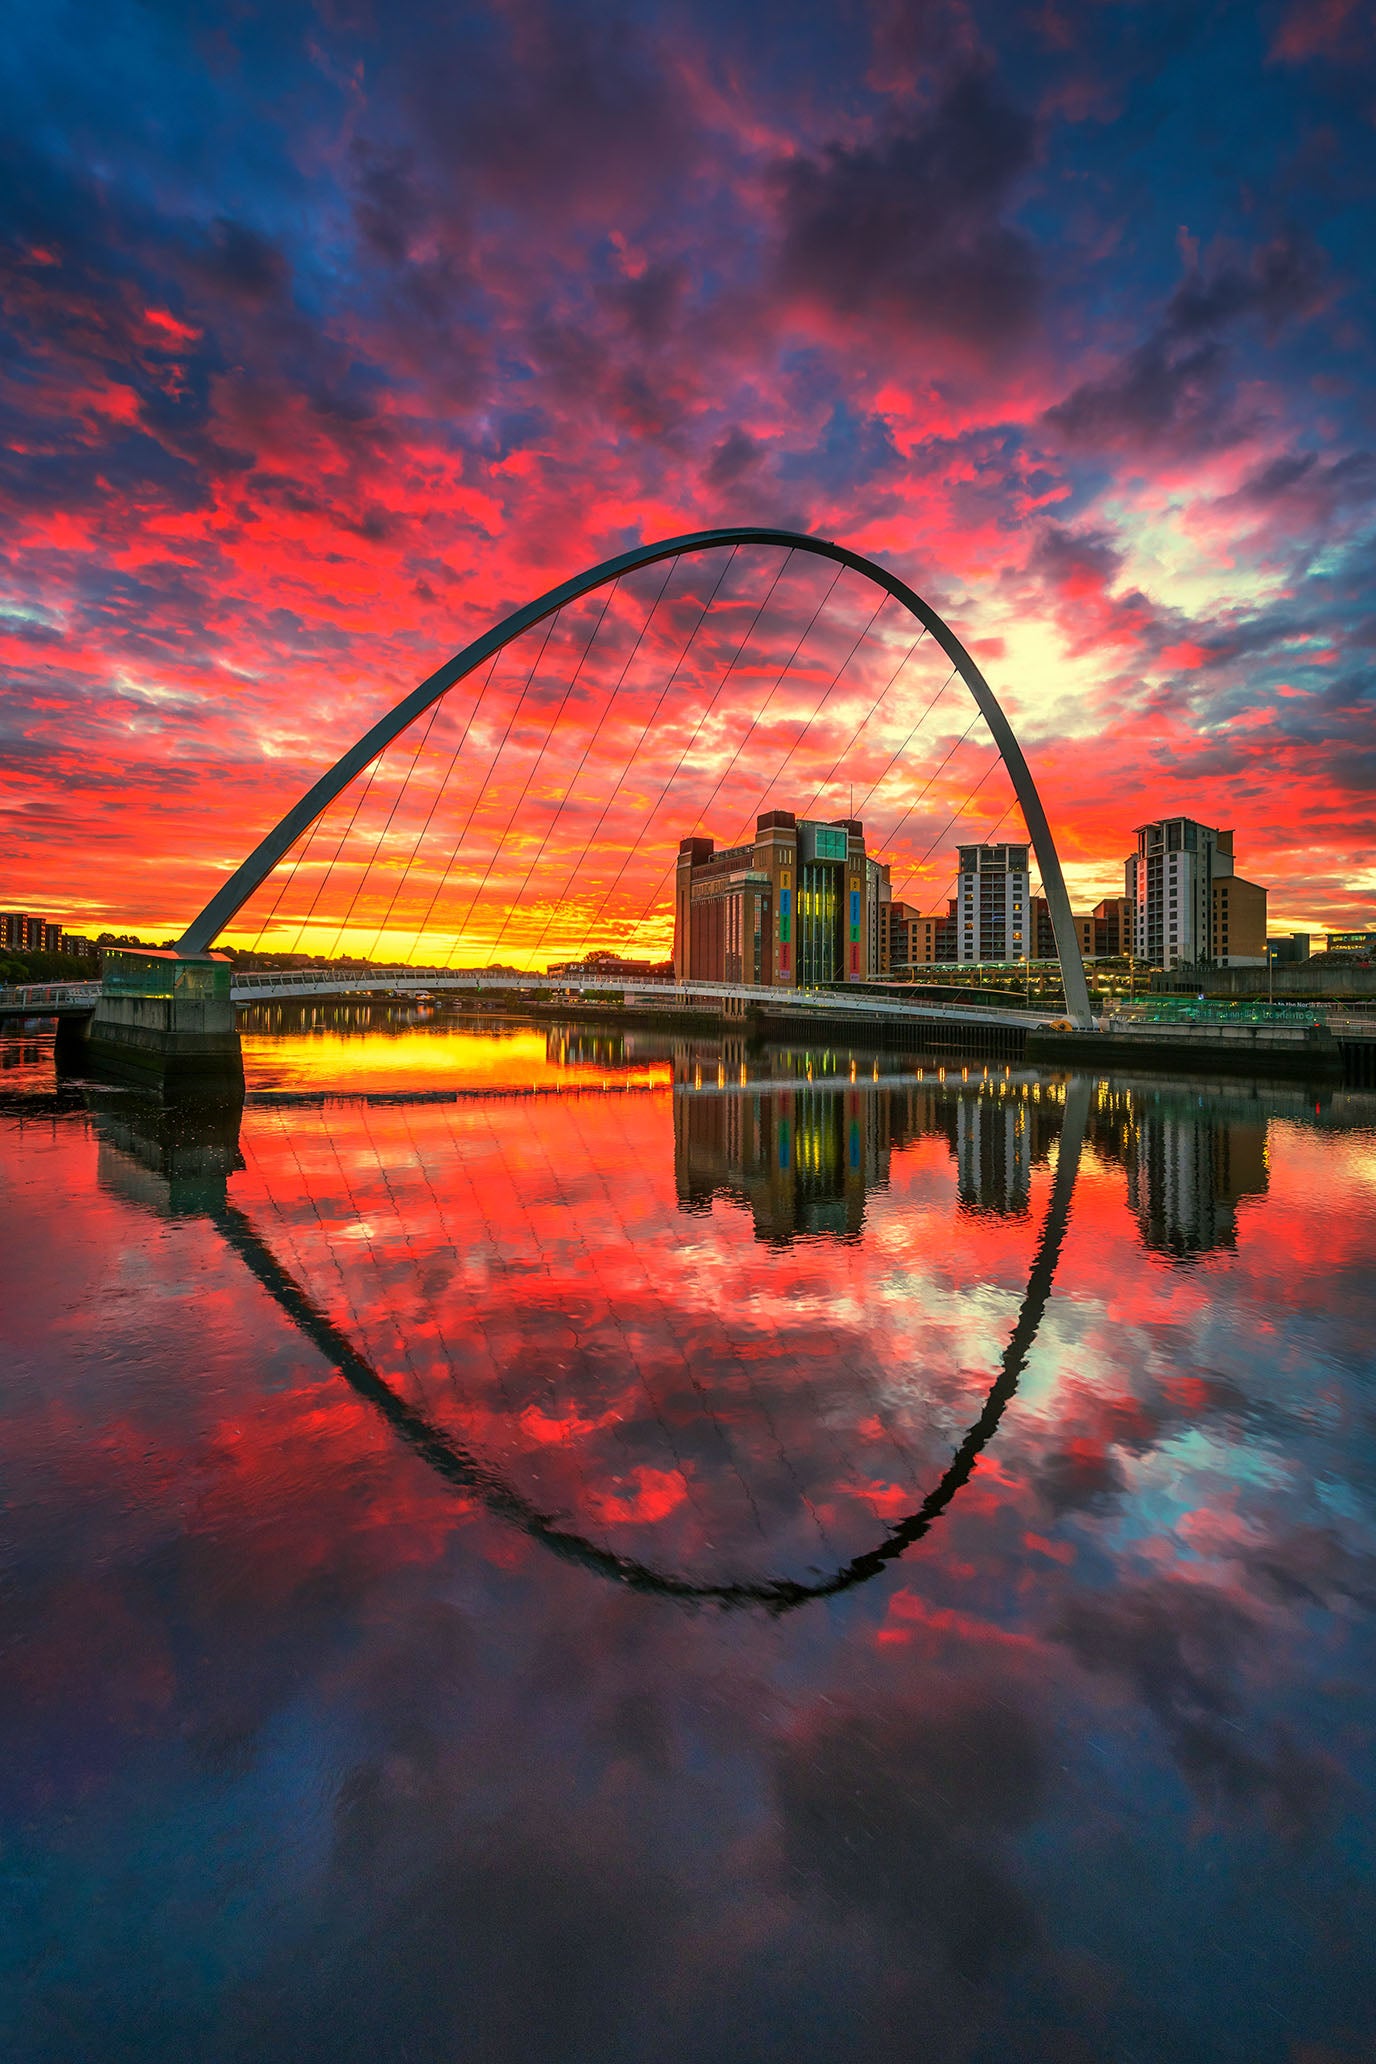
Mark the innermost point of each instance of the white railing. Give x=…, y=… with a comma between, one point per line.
x=253, y=987
x=34, y=998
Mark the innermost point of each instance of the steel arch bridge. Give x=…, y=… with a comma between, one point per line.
x=225, y=905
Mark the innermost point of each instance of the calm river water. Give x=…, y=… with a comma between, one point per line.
x=547, y=1546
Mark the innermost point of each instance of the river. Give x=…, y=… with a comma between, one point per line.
x=551, y=1542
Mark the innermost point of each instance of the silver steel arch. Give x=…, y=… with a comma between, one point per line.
x=228, y=900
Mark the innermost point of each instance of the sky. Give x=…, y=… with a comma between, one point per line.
x=334, y=333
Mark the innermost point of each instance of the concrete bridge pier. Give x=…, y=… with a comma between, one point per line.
x=70, y=1054
x=166, y=1019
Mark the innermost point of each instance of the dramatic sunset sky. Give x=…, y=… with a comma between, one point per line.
x=332, y=333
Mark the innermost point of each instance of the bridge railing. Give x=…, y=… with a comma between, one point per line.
x=37, y=997
x=251, y=987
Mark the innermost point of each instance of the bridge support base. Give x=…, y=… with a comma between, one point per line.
x=166, y=1020
x=69, y=1046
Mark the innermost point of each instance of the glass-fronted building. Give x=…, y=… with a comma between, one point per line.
x=798, y=907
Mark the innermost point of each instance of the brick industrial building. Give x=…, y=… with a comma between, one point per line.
x=803, y=904
x=796, y=907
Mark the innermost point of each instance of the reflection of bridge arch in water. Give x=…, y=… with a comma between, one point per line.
x=459, y=1466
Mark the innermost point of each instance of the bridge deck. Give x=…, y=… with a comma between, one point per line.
x=78, y=999
x=654, y=995
x=69, y=999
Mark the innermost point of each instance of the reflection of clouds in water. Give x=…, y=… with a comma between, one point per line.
x=761, y=1433
x=897, y=1805
x=315, y=1759
x=1184, y=1648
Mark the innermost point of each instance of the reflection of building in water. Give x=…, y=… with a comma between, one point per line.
x=600, y=1046
x=1188, y=1166
x=999, y=1135
x=579, y=1046
x=801, y=1159
x=993, y=1146
x=804, y=1159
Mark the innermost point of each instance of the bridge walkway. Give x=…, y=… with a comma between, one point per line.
x=78, y=999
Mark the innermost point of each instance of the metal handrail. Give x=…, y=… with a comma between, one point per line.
x=251, y=988
x=34, y=995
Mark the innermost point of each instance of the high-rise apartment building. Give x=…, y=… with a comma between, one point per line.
x=798, y=907
x=993, y=904
x=1188, y=902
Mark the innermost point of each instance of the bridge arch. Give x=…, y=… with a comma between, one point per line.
x=230, y=898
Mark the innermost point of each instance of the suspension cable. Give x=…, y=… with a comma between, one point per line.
x=894, y=758
x=537, y=762
x=856, y=733
x=787, y=667
x=492, y=763
x=860, y=728
x=379, y=841
x=596, y=732
x=666, y=877
x=434, y=805
x=359, y=800
x=287, y=879
x=514, y=903
x=453, y=762
x=591, y=843
x=516, y=706
x=891, y=835
x=955, y=819
x=987, y=839
x=874, y=616
x=697, y=732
